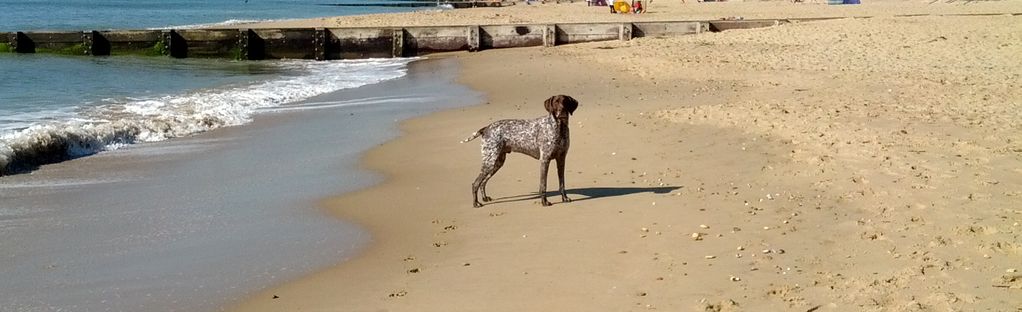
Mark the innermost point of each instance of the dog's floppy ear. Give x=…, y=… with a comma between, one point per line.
x=569, y=104
x=551, y=105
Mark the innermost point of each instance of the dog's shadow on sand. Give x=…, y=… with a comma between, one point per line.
x=589, y=193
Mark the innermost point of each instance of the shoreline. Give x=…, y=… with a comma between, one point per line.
x=436, y=233
x=184, y=224
x=399, y=235
x=659, y=158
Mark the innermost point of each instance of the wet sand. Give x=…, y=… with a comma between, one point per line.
x=847, y=165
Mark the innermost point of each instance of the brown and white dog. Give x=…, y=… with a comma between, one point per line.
x=544, y=138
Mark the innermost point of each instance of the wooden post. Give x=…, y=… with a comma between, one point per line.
x=251, y=45
x=244, y=44
x=12, y=39
x=88, y=39
x=625, y=33
x=320, y=42
x=165, y=38
x=21, y=43
x=473, y=38
x=95, y=43
x=174, y=45
x=550, y=35
x=399, y=43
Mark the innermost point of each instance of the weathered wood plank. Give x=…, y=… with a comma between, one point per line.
x=71, y=43
x=356, y=43
x=426, y=40
x=511, y=36
x=716, y=26
x=577, y=33
x=664, y=29
x=146, y=42
x=290, y=43
x=41, y=38
x=210, y=43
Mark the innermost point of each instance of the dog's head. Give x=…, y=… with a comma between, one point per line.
x=561, y=106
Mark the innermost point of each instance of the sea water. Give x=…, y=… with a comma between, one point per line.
x=59, y=107
x=167, y=217
x=80, y=106
x=198, y=222
x=25, y=15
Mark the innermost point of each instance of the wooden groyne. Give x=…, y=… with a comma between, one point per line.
x=353, y=42
x=455, y=4
x=346, y=43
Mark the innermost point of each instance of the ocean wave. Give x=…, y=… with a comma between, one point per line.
x=229, y=22
x=377, y=100
x=158, y=118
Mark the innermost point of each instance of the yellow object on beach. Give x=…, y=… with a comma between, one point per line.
x=622, y=7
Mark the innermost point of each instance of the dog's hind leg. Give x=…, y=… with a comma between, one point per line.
x=560, y=178
x=491, y=155
x=475, y=187
x=496, y=167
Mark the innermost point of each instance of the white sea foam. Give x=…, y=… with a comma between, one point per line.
x=11, y=121
x=229, y=22
x=163, y=117
x=54, y=184
x=379, y=100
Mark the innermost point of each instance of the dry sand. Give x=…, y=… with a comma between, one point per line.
x=658, y=10
x=847, y=165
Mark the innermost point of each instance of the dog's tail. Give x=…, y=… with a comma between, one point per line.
x=475, y=135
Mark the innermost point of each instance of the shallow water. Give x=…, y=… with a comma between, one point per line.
x=41, y=134
x=196, y=223
x=40, y=87
x=75, y=102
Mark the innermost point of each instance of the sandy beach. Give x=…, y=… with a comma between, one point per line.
x=658, y=10
x=843, y=165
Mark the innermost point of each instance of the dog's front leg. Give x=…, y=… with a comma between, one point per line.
x=560, y=179
x=544, y=166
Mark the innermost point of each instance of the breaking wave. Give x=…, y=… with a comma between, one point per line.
x=120, y=122
x=230, y=22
